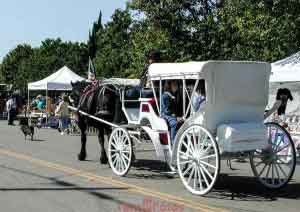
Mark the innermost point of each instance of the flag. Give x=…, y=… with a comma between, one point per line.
x=91, y=71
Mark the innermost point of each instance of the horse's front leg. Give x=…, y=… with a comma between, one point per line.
x=82, y=154
x=102, y=137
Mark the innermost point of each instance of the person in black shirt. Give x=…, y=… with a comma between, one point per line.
x=153, y=57
x=282, y=97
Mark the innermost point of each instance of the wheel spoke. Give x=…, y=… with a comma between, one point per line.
x=115, y=161
x=199, y=140
x=283, y=162
x=195, y=178
x=113, y=155
x=207, y=164
x=120, y=163
x=190, y=144
x=277, y=151
x=187, y=148
x=208, y=148
x=116, y=140
x=267, y=175
x=207, y=156
x=281, y=169
x=259, y=163
x=278, y=144
x=263, y=169
x=125, y=156
x=188, y=169
x=204, y=177
x=124, y=163
x=185, y=154
x=276, y=135
x=185, y=162
x=277, y=172
x=206, y=171
x=199, y=179
x=191, y=174
x=194, y=144
x=117, y=165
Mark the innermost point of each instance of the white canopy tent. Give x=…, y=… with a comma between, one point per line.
x=60, y=80
x=286, y=74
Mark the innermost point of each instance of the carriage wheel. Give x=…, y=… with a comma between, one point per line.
x=120, y=151
x=275, y=165
x=198, y=160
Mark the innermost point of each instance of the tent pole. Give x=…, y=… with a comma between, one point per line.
x=47, y=104
x=28, y=99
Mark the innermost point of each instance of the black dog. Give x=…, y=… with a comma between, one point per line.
x=26, y=129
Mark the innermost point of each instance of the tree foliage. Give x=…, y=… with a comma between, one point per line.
x=183, y=30
x=26, y=64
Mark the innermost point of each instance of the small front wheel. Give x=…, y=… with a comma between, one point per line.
x=198, y=160
x=120, y=151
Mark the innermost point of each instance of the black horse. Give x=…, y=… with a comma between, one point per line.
x=102, y=102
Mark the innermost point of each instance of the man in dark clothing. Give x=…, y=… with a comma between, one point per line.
x=284, y=95
x=153, y=57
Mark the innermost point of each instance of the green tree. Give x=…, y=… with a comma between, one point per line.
x=25, y=64
x=113, y=46
x=97, y=28
x=13, y=62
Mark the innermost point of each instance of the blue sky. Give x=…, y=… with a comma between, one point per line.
x=31, y=21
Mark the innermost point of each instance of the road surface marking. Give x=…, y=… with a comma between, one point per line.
x=109, y=181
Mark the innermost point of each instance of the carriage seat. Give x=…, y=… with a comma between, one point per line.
x=236, y=100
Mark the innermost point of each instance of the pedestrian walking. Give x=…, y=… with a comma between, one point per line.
x=11, y=108
x=62, y=112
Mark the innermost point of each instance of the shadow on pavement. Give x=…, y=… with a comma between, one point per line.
x=66, y=186
x=244, y=188
x=154, y=169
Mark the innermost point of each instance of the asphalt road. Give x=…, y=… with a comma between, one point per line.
x=45, y=175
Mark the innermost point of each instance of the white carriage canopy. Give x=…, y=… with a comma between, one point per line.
x=60, y=80
x=286, y=74
x=222, y=78
x=187, y=70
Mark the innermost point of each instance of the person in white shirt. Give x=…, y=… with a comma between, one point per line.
x=11, y=108
x=62, y=111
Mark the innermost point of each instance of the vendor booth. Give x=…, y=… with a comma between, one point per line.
x=58, y=81
x=286, y=74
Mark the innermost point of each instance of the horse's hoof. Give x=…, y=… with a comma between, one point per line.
x=81, y=157
x=103, y=160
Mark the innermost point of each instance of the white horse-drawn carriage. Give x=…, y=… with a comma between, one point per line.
x=230, y=122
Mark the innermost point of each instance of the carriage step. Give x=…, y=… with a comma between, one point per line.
x=130, y=126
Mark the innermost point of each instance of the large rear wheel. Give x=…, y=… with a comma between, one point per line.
x=198, y=160
x=275, y=165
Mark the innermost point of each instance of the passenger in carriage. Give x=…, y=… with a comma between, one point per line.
x=168, y=107
x=199, y=97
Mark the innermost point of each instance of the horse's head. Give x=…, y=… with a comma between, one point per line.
x=77, y=89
